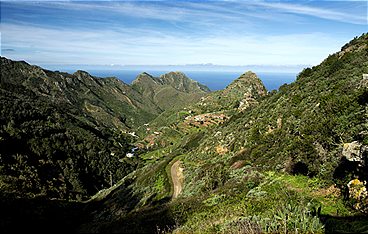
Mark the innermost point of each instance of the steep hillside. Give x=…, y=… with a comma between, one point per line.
x=240, y=94
x=211, y=110
x=66, y=135
x=181, y=82
x=171, y=90
x=59, y=134
x=237, y=161
x=296, y=162
x=302, y=129
x=108, y=100
x=306, y=122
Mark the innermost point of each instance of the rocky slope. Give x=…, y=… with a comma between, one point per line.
x=171, y=90
x=240, y=94
x=215, y=108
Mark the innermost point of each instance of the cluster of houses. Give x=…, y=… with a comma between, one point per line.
x=206, y=119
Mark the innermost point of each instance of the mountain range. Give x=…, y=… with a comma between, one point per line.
x=81, y=120
x=85, y=154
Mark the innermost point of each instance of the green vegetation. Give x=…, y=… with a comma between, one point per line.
x=271, y=206
x=275, y=166
x=290, y=161
x=47, y=151
x=171, y=90
x=66, y=135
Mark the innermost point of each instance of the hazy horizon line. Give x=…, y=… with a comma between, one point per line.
x=186, y=67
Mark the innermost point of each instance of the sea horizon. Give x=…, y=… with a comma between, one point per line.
x=214, y=80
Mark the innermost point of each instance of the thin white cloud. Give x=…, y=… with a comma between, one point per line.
x=221, y=35
x=175, y=11
x=213, y=11
x=195, y=15
x=128, y=46
x=337, y=14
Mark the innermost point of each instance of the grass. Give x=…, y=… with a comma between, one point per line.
x=156, y=155
x=275, y=202
x=325, y=194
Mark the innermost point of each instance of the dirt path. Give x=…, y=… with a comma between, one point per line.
x=177, y=177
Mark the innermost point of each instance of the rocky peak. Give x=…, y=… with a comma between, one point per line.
x=181, y=82
x=81, y=73
x=87, y=79
x=144, y=75
x=20, y=67
x=144, y=78
x=174, y=76
x=8, y=62
x=84, y=76
x=357, y=44
x=242, y=93
x=177, y=80
x=247, y=84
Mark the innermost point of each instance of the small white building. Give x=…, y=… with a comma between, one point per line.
x=132, y=134
x=129, y=155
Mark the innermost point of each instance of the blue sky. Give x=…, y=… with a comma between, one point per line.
x=178, y=32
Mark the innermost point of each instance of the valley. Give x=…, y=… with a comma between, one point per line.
x=237, y=160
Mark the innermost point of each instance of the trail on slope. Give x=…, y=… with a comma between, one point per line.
x=177, y=177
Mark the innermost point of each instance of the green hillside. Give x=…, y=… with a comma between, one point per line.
x=109, y=101
x=51, y=145
x=66, y=135
x=213, y=109
x=294, y=161
x=239, y=160
x=169, y=91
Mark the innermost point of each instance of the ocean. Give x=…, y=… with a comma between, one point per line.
x=215, y=80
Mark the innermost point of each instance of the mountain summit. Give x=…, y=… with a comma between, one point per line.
x=170, y=90
x=243, y=92
x=177, y=80
x=249, y=83
x=181, y=82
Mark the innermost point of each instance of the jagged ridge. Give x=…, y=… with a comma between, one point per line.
x=171, y=90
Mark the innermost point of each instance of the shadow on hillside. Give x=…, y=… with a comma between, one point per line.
x=156, y=219
x=115, y=213
x=39, y=216
x=118, y=213
x=350, y=224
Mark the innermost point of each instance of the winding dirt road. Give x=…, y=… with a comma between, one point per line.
x=177, y=177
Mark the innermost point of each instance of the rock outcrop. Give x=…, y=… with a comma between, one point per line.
x=181, y=82
x=242, y=93
x=171, y=90
x=355, y=152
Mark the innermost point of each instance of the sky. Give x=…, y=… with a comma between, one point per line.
x=178, y=32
